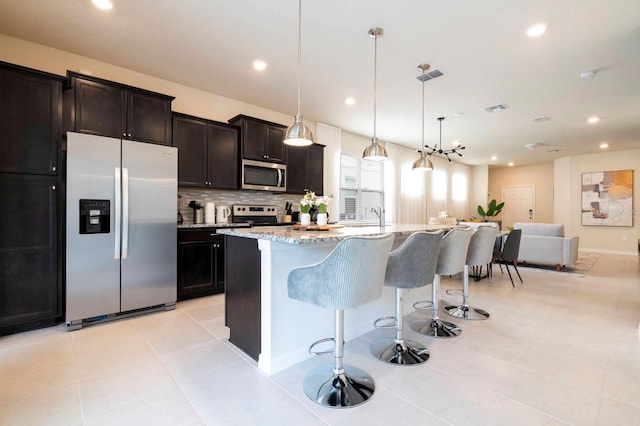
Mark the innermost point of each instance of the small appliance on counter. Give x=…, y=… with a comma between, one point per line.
x=223, y=214
x=197, y=211
x=210, y=213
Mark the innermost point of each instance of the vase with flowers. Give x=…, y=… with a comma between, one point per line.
x=306, y=204
x=322, y=203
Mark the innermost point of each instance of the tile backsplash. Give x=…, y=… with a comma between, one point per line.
x=228, y=198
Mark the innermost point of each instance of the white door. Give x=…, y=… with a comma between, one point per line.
x=519, y=204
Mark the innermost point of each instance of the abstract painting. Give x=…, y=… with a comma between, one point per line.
x=607, y=198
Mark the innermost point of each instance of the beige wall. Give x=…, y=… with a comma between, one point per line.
x=539, y=175
x=599, y=238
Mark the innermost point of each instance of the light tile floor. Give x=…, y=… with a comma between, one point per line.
x=559, y=349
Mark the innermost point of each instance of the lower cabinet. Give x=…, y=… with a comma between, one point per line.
x=30, y=280
x=200, y=263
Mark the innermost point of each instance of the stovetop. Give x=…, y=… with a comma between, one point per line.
x=257, y=215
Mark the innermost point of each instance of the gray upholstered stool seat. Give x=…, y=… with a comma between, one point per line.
x=411, y=265
x=351, y=275
x=480, y=253
x=453, y=254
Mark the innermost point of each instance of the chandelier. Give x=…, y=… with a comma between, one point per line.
x=444, y=152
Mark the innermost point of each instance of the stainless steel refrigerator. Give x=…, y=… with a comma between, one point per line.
x=120, y=226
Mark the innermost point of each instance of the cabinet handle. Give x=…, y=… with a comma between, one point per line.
x=53, y=169
x=53, y=187
x=124, y=135
x=212, y=235
x=129, y=135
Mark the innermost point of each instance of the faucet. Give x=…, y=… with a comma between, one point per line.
x=380, y=214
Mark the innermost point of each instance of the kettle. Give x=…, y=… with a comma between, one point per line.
x=223, y=213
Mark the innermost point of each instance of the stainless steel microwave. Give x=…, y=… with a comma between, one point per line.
x=263, y=176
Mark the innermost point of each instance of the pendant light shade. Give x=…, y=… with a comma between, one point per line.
x=423, y=163
x=375, y=151
x=298, y=134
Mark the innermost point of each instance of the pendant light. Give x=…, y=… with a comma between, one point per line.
x=375, y=151
x=298, y=134
x=423, y=163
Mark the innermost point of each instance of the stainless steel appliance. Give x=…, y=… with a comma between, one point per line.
x=256, y=215
x=264, y=176
x=121, y=228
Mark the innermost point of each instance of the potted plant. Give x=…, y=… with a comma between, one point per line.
x=493, y=209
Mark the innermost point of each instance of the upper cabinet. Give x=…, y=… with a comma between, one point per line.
x=207, y=152
x=30, y=120
x=105, y=108
x=260, y=140
x=305, y=169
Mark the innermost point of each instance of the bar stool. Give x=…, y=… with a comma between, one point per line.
x=453, y=253
x=411, y=265
x=351, y=275
x=480, y=253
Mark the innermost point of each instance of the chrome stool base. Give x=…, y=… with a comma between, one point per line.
x=466, y=312
x=435, y=327
x=350, y=388
x=404, y=352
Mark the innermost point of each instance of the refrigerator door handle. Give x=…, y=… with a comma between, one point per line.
x=125, y=213
x=117, y=211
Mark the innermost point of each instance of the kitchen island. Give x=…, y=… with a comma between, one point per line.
x=267, y=325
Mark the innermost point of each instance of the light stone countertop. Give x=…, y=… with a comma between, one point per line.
x=285, y=234
x=214, y=225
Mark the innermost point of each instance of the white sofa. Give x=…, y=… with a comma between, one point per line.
x=545, y=244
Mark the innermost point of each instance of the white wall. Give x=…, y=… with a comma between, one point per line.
x=568, y=195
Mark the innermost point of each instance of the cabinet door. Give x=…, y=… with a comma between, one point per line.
x=99, y=109
x=275, y=148
x=30, y=290
x=254, y=137
x=315, y=164
x=30, y=121
x=296, y=169
x=148, y=118
x=190, y=137
x=223, y=156
x=195, y=269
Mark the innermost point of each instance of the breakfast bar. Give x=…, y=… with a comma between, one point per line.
x=271, y=328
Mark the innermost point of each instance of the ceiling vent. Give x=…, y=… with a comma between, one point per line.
x=543, y=147
x=498, y=107
x=540, y=119
x=429, y=75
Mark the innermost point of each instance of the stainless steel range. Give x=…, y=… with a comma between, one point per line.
x=257, y=215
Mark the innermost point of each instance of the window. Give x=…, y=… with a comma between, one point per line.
x=439, y=185
x=361, y=188
x=459, y=187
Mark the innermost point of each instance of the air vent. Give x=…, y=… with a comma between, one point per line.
x=429, y=75
x=498, y=107
x=540, y=119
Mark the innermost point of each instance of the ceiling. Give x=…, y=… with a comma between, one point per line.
x=480, y=46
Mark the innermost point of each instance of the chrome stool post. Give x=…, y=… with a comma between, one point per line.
x=411, y=265
x=435, y=327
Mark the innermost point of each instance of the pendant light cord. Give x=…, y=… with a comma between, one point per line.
x=299, y=49
x=422, y=146
x=375, y=81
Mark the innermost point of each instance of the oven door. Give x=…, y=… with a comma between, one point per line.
x=263, y=176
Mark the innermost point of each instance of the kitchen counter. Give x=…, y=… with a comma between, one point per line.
x=288, y=235
x=214, y=225
x=263, y=321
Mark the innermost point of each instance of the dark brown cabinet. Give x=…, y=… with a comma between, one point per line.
x=200, y=263
x=30, y=282
x=243, y=295
x=105, y=108
x=260, y=140
x=30, y=120
x=207, y=152
x=305, y=169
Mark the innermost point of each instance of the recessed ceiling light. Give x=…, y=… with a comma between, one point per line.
x=604, y=145
x=510, y=164
x=536, y=30
x=102, y=4
x=593, y=119
x=456, y=143
x=458, y=114
x=259, y=65
x=587, y=75
x=494, y=157
x=349, y=101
